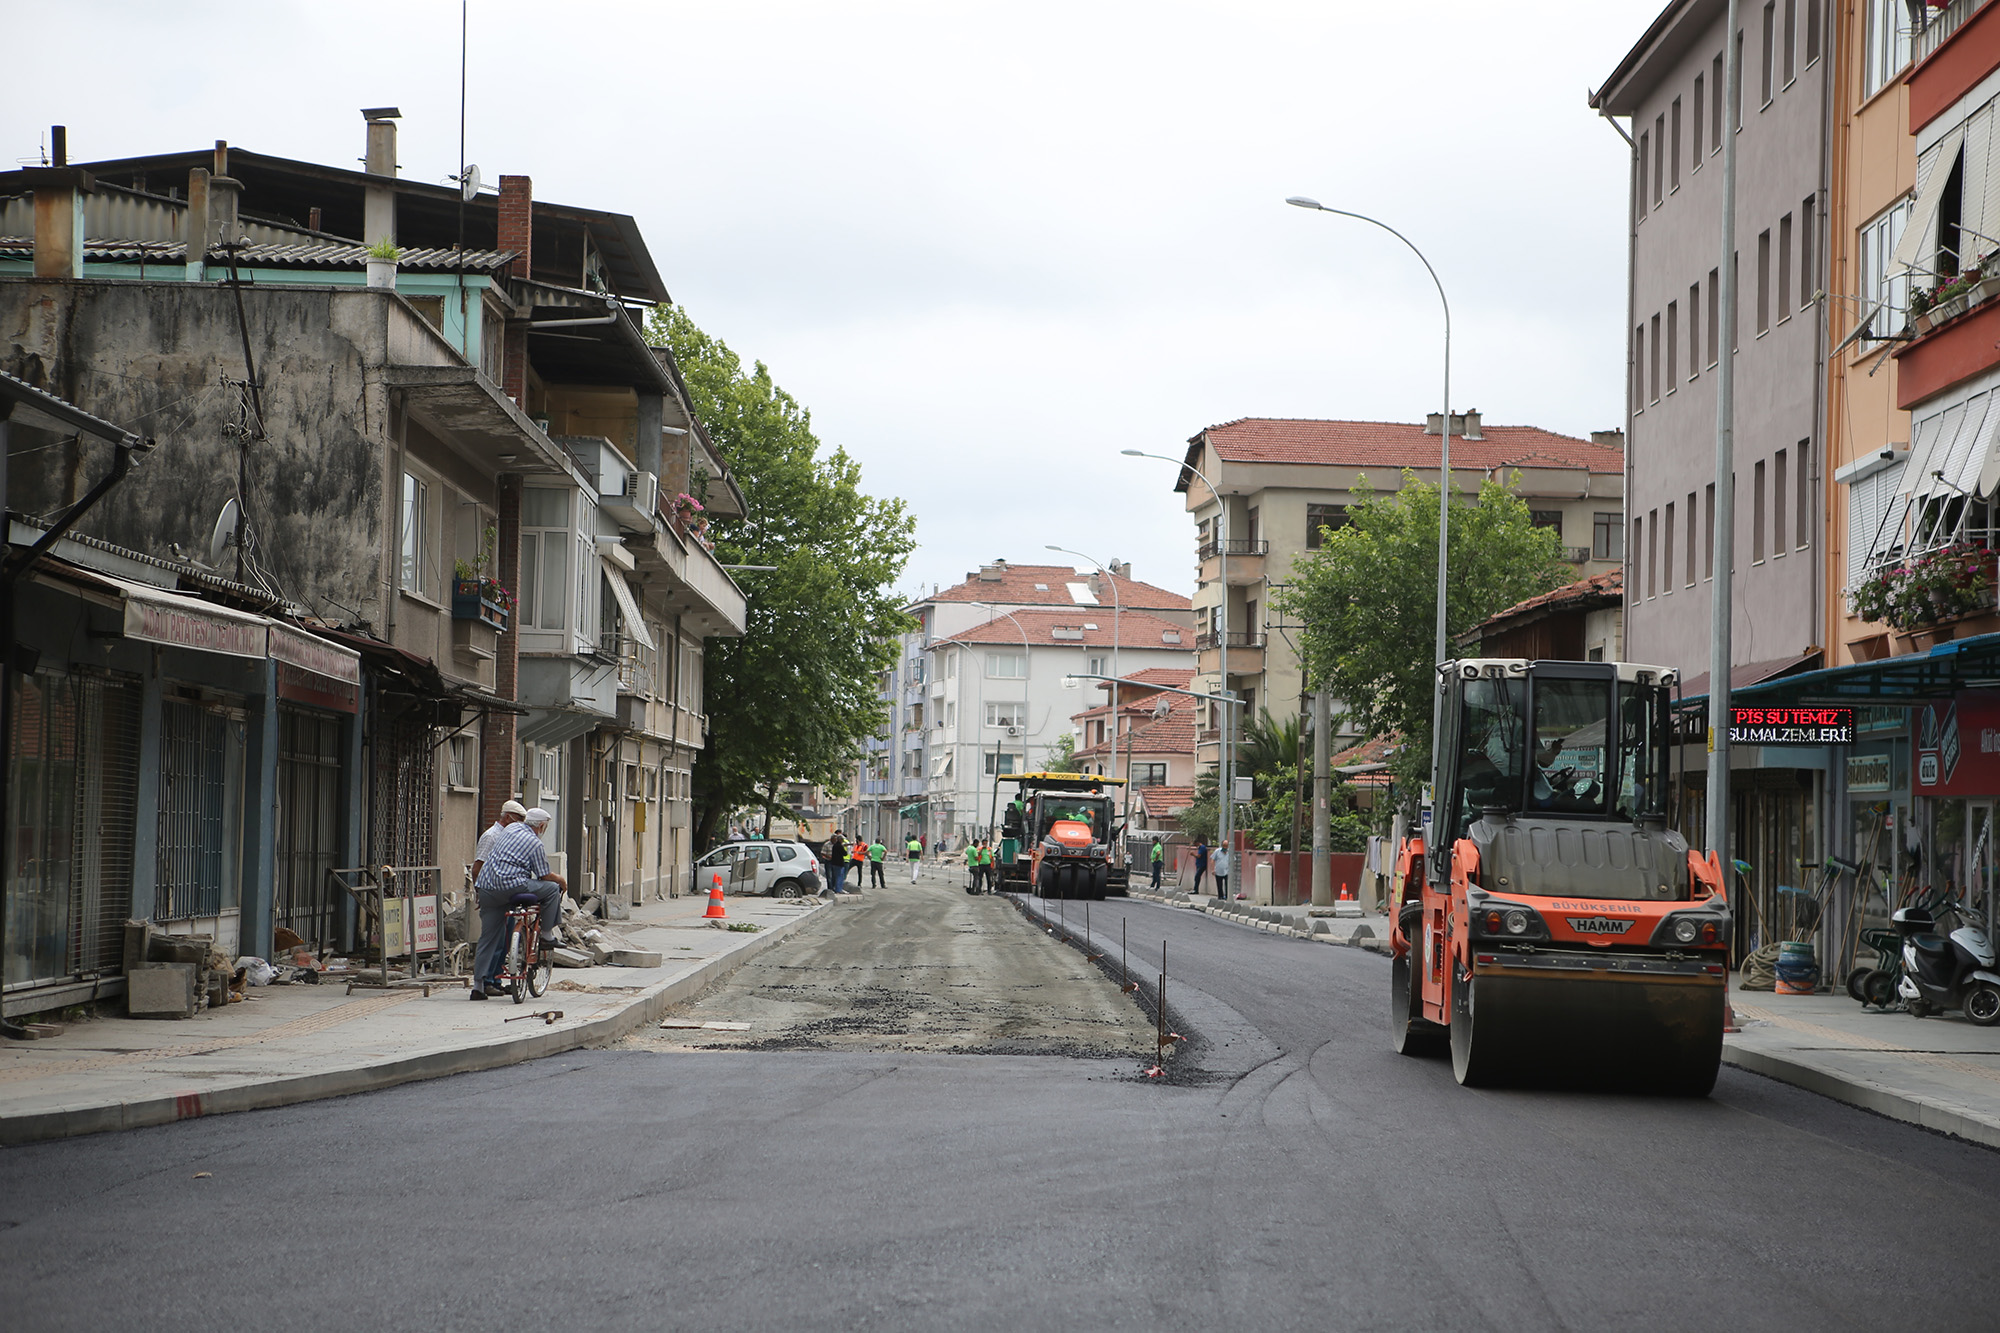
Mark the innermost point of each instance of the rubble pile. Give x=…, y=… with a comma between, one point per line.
x=588, y=942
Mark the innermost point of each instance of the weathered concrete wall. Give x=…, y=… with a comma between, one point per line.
x=151, y=356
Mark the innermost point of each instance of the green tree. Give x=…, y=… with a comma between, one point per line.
x=1368, y=600
x=793, y=698
x=1061, y=754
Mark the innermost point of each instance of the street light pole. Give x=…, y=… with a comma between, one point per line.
x=1226, y=757
x=1115, y=607
x=1444, y=432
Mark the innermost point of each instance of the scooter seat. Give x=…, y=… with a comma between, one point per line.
x=1930, y=944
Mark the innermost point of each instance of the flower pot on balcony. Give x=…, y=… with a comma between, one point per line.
x=1950, y=308
x=1927, y=638
x=1868, y=647
x=478, y=599
x=381, y=272
x=1987, y=287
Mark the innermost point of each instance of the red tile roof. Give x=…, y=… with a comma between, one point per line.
x=1048, y=585
x=1136, y=629
x=1606, y=589
x=1166, y=801
x=1373, y=751
x=1176, y=677
x=1397, y=444
x=1171, y=734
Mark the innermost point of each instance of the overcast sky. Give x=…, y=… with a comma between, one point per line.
x=989, y=245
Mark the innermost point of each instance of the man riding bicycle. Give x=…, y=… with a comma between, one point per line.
x=517, y=863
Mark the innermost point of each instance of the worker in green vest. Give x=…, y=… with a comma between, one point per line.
x=916, y=848
x=972, y=874
x=986, y=870
x=1158, y=856
x=877, y=854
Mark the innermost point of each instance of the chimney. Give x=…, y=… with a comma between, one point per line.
x=994, y=572
x=378, y=207
x=517, y=223
x=1463, y=424
x=200, y=230
x=1469, y=424
x=59, y=192
x=1610, y=439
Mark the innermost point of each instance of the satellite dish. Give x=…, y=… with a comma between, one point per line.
x=225, y=531
x=468, y=184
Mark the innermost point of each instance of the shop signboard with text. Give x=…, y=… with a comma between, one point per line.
x=1791, y=726
x=1957, y=746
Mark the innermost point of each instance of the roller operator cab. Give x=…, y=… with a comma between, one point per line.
x=1057, y=835
x=1556, y=930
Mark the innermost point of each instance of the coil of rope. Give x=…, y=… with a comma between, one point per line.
x=1760, y=969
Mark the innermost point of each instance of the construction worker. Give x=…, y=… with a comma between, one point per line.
x=987, y=873
x=877, y=854
x=972, y=875
x=1158, y=856
x=916, y=850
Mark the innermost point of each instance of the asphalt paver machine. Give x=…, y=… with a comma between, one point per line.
x=1552, y=928
x=1057, y=834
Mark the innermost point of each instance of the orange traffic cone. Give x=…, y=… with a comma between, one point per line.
x=1345, y=895
x=715, y=911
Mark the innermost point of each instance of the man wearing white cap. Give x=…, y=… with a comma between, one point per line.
x=513, y=812
x=517, y=863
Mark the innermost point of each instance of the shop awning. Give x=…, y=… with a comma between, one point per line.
x=1963, y=664
x=1743, y=675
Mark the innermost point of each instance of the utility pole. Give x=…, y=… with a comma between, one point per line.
x=1721, y=608
x=1322, y=880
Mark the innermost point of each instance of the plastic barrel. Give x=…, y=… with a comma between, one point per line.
x=1798, y=969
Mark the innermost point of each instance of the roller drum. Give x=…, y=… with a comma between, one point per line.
x=1656, y=1035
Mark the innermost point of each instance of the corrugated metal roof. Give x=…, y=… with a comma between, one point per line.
x=264, y=254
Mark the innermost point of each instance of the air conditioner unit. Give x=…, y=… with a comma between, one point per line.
x=1013, y=731
x=1577, y=554
x=634, y=497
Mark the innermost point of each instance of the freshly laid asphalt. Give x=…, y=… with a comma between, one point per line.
x=1292, y=1172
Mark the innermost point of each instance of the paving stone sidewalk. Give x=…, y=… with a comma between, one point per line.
x=296, y=1043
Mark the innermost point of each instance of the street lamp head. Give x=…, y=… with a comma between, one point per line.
x=1301, y=201
x=1133, y=453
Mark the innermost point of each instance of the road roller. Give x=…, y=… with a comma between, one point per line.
x=1551, y=929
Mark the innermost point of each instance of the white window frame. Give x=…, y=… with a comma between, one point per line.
x=1006, y=666
x=999, y=764
x=1006, y=713
x=414, y=555
x=1875, y=242
x=461, y=764
x=535, y=611
x=1885, y=47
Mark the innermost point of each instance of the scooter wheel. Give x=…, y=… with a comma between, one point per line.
x=1982, y=1005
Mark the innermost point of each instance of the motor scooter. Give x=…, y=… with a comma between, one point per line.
x=1943, y=972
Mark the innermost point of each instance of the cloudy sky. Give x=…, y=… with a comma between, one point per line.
x=989, y=245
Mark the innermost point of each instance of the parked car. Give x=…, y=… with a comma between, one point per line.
x=780, y=869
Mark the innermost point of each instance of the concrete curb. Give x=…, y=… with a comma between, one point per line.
x=1242, y=914
x=1865, y=1093
x=643, y=1008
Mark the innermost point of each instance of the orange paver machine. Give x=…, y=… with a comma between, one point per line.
x=1057, y=834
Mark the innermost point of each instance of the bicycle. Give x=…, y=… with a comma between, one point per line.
x=524, y=965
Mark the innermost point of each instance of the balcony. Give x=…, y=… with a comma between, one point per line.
x=1246, y=653
x=1952, y=54
x=1245, y=558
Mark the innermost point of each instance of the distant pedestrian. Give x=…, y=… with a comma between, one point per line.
x=1219, y=863
x=877, y=854
x=972, y=867
x=836, y=863
x=1200, y=861
x=1159, y=859
x=987, y=874
x=857, y=860
x=915, y=847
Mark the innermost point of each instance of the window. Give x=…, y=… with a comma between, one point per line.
x=459, y=766
x=1784, y=268
x=1771, y=51
x=1691, y=542
x=544, y=559
x=1694, y=330
x=1097, y=666
x=1778, y=497
x=951, y=666
x=1645, y=159
x=1331, y=517
x=1149, y=774
x=1802, y=528
x=1788, y=57
x=1546, y=518
x=1807, y=286
x=1812, y=29
x=1886, y=45
x=1636, y=577
x=1673, y=344
x=1699, y=107
x=915, y=721
x=1006, y=714
x=1667, y=549
x=1659, y=158
x=1714, y=318
x=1607, y=531
x=1757, y=513
x=1652, y=551
x=1736, y=112
x=416, y=535
x=548, y=774
x=1675, y=114
x=996, y=764
x=949, y=718
x=1006, y=666
x=1715, y=105
x=1879, y=238
x=1763, y=282
x=1639, y=368
x=200, y=834
x=1653, y=360
x=1708, y=543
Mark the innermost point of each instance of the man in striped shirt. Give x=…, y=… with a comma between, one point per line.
x=516, y=863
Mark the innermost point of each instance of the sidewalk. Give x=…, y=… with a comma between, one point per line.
x=1942, y=1072
x=291, y=1044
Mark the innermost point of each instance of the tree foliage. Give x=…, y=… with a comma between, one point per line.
x=1368, y=599
x=1275, y=759
x=793, y=698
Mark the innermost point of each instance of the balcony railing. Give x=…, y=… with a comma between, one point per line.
x=1939, y=25
x=1234, y=546
x=1237, y=638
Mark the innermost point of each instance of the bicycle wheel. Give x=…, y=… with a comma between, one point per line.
x=517, y=969
x=539, y=969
